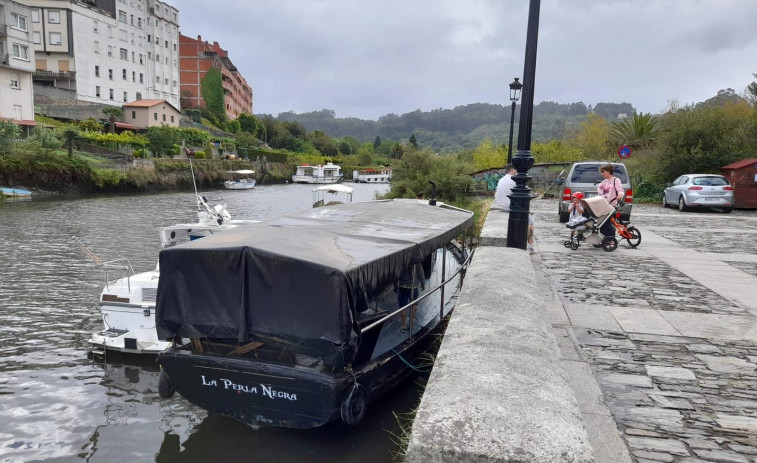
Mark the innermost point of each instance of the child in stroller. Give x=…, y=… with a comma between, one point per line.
x=596, y=212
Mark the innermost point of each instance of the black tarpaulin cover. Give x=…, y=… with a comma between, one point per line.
x=298, y=280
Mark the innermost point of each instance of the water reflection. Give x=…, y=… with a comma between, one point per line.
x=58, y=404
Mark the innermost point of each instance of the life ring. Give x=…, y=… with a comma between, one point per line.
x=165, y=389
x=353, y=406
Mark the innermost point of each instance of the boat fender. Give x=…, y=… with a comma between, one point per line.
x=353, y=406
x=165, y=389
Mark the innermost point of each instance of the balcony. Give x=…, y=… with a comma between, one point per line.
x=54, y=75
x=4, y=60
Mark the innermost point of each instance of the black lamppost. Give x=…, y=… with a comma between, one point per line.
x=520, y=198
x=515, y=87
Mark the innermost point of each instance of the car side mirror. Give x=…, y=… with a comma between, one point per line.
x=668, y=184
x=559, y=180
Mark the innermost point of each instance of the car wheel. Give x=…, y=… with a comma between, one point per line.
x=665, y=201
x=727, y=210
x=635, y=238
x=682, y=204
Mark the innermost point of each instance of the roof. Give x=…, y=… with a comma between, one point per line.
x=147, y=104
x=20, y=122
x=740, y=164
x=124, y=125
x=300, y=278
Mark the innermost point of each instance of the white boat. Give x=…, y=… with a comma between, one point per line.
x=383, y=175
x=343, y=194
x=328, y=173
x=240, y=180
x=127, y=302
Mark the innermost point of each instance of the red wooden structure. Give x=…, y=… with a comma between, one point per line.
x=743, y=177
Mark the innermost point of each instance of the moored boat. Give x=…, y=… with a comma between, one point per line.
x=240, y=180
x=127, y=302
x=299, y=323
x=322, y=173
x=383, y=175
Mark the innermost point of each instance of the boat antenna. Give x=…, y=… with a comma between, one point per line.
x=432, y=201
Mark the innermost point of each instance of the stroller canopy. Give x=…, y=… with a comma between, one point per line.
x=598, y=206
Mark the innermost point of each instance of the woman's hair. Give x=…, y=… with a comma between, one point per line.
x=607, y=167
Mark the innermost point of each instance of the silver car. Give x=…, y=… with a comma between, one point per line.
x=699, y=190
x=584, y=177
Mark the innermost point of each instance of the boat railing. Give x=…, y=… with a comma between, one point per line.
x=111, y=267
x=440, y=287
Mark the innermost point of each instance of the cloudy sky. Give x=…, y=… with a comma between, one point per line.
x=366, y=58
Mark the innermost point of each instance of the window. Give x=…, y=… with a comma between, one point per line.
x=166, y=60
x=155, y=116
x=37, y=37
x=95, y=26
x=125, y=100
x=134, y=113
x=110, y=31
x=174, y=47
x=97, y=71
x=141, y=56
x=21, y=51
x=53, y=17
x=110, y=74
x=111, y=93
x=164, y=117
x=133, y=57
x=18, y=21
x=122, y=16
x=166, y=81
x=123, y=54
x=131, y=19
x=157, y=79
x=174, y=84
x=123, y=35
x=141, y=79
x=149, y=55
x=35, y=16
x=123, y=74
x=133, y=76
x=97, y=46
x=149, y=38
x=55, y=38
x=110, y=50
x=139, y=23
x=157, y=57
x=97, y=91
x=171, y=119
x=139, y=96
x=166, y=43
x=15, y=82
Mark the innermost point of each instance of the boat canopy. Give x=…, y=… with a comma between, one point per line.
x=334, y=188
x=298, y=281
x=241, y=172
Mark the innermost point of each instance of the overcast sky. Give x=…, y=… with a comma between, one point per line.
x=368, y=58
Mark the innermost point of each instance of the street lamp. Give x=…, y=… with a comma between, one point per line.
x=520, y=198
x=515, y=87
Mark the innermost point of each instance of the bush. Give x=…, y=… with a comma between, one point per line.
x=200, y=155
x=106, y=178
x=139, y=154
x=648, y=192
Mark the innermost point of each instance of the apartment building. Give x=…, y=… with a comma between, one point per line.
x=196, y=58
x=107, y=51
x=16, y=63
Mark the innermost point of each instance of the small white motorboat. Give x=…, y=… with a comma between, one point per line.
x=240, y=180
x=127, y=302
x=343, y=194
x=328, y=173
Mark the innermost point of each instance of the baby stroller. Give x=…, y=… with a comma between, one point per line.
x=597, y=212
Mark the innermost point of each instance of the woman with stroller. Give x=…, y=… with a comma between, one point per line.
x=611, y=188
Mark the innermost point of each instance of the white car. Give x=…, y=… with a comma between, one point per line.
x=699, y=190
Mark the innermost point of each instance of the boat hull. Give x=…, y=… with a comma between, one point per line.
x=263, y=394
x=231, y=185
x=315, y=180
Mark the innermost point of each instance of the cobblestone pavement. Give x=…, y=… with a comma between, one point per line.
x=668, y=330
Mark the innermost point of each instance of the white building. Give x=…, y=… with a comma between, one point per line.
x=107, y=51
x=16, y=63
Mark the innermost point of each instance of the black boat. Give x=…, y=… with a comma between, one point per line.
x=294, y=321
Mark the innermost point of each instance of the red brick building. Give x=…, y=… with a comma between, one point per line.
x=196, y=58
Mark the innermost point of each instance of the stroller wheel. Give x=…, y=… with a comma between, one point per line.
x=609, y=243
x=635, y=238
x=567, y=244
x=574, y=246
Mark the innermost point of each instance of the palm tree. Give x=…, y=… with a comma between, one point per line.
x=638, y=132
x=113, y=112
x=70, y=134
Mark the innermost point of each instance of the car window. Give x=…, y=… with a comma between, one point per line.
x=710, y=181
x=589, y=173
x=682, y=180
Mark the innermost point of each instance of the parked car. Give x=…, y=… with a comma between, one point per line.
x=584, y=177
x=699, y=190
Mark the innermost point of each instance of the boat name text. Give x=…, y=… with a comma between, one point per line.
x=265, y=391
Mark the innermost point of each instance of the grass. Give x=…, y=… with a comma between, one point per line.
x=48, y=121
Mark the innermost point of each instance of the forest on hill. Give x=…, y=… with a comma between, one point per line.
x=464, y=127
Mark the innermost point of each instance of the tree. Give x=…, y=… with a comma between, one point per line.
x=417, y=167
x=638, y=132
x=593, y=137
x=113, y=112
x=413, y=141
x=397, y=151
x=751, y=92
x=91, y=124
x=376, y=143
x=364, y=156
x=161, y=140
x=487, y=156
x=69, y=134
x=45, y=137
x=211, y=88
x=9, y=133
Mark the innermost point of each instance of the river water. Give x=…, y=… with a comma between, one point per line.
x=57, y=403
